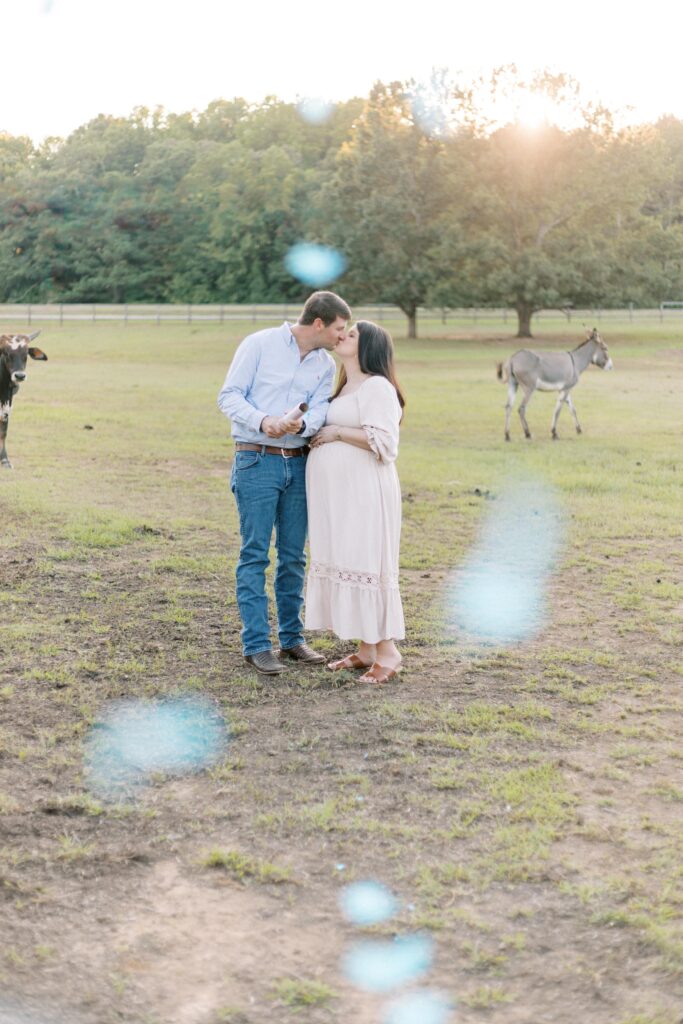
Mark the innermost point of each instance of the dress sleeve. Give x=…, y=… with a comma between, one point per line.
x=380, y=414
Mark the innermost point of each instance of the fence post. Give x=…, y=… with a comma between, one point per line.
x=189, y=312
x=158, y=316
x=222, y=314
x=28, y=313
x=61, y=313
x=94, y=313
x=253, y=314
x=125, y=314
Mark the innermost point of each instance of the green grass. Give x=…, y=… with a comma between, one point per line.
x=300, y=993
x=243, y=867
x=485, y=997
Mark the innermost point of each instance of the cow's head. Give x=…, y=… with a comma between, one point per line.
x=14, y=351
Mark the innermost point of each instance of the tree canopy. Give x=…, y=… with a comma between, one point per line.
x=429, y=198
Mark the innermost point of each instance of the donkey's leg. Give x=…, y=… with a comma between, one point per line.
x=528, y=392
x=512, y=391
x=556, y=415
x=573, y=412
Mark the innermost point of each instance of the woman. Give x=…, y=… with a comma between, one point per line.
x=354, y=508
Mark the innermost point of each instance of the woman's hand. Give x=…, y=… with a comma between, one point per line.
x=324, y=436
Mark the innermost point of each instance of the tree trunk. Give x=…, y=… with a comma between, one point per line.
x=412, y=321
x=524, y=313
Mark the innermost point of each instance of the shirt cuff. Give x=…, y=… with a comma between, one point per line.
x=257, y=420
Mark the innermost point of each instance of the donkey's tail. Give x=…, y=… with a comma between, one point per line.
x=503, y=371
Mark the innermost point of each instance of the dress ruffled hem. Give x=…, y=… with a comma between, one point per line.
x=354, y=612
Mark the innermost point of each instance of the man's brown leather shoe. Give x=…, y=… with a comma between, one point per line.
x=265, y=662
x=303, y=653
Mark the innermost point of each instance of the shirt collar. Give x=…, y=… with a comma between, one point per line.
x=291, y=340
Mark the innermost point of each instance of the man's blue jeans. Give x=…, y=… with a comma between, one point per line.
x=270, y=491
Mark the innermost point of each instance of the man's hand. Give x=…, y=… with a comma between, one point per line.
x=272, y=426
x=291, y=425
x=278, y=426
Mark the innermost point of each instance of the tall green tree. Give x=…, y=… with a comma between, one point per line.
x=532, y=232
x=257, y=217
x=535, y=207
x=383, y=203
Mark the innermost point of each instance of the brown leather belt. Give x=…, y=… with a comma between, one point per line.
x=286, y=453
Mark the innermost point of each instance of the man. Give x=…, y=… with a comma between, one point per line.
x=273, y=371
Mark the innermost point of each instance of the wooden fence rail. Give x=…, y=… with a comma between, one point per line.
x=22, y=314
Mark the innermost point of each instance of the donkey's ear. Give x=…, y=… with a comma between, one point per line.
x=37, y=353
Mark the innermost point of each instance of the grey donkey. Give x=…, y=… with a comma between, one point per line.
x=550, y=371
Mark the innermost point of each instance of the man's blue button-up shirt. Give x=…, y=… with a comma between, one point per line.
x=268, y=377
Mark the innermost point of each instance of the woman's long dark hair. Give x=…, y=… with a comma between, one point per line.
x=375, y=356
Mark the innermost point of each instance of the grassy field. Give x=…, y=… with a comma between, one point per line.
x=523, y=803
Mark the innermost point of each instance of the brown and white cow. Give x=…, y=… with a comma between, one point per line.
x=14, y=351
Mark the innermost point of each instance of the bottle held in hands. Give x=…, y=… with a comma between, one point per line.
x=290, y=422
x=297, y=412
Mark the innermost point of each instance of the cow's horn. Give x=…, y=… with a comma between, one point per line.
x=33, y=336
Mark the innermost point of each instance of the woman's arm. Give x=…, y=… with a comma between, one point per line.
x=349, y=435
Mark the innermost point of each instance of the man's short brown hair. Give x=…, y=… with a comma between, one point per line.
x=326, y=306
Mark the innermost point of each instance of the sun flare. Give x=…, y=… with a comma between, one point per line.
x=533, y=110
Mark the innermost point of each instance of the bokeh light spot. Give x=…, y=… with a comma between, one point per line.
x=315, y=109
x=499, y=594
x=382, y=966
x=135, y=739
x=426, y=1007
x=315, y=265
x=364, y=903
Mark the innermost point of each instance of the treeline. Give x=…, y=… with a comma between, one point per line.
x=430, y=204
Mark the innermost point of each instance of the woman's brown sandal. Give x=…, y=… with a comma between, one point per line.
x=379, y=674
x=351, y=662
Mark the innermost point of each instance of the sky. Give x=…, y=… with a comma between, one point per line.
x=66, y=61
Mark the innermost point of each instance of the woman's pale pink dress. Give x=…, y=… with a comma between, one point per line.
x=354, y=521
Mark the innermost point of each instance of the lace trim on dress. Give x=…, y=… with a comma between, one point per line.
x=354, y=578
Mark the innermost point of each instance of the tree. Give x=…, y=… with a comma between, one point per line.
x=529, y=228
x=430, y=203
x=533, y=234
x=257, y=217
x=381, y=206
